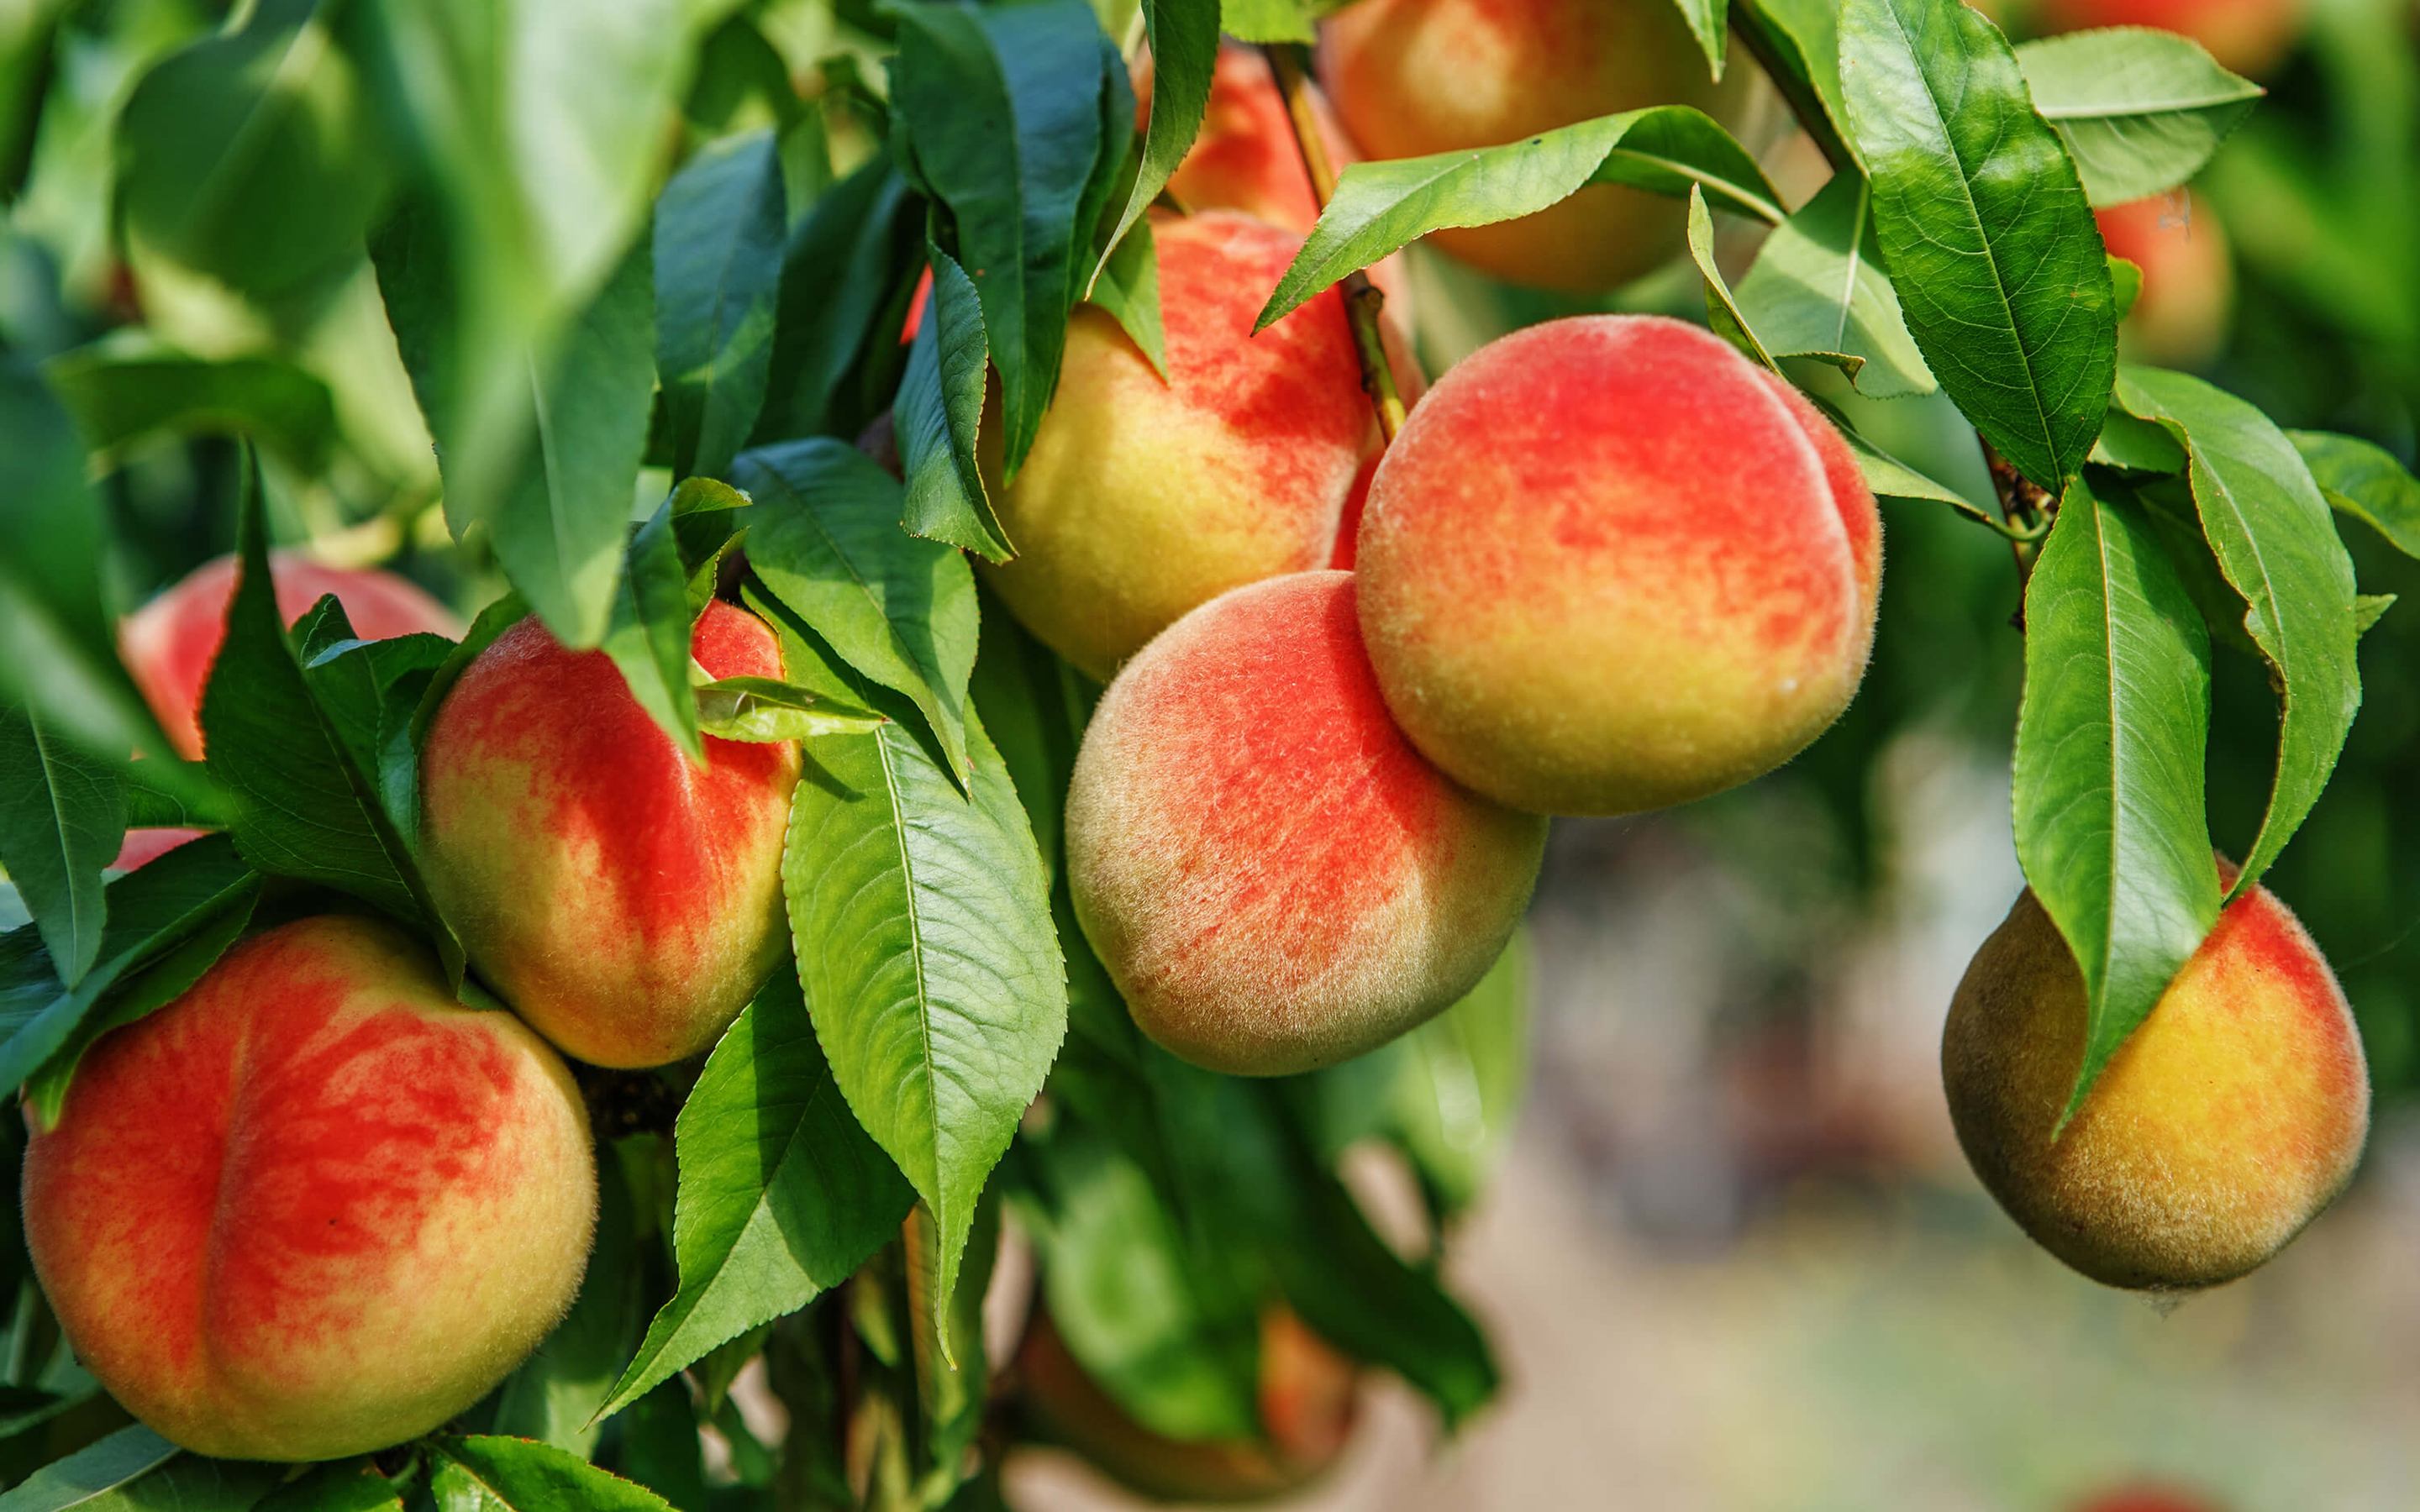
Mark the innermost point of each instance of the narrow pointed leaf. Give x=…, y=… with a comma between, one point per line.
x=782, y=1194
x=762, y=709
x=2140, y=109
x=1128, y=287
x=62, y=818
x=1380, y=206
x=2269, y=526
x=1991, y=244
x=938, y=415
x=2363, y=479
x=122, y=398
x=1722, y=309
x=497, y=1475
x=1709, y=22
x=2108, y=785
x=1818, y=289
x=900, y=609
x=720, y=226
x=1183, y=38
x=648, y=636
x=1265, y=21
x=1807, y=33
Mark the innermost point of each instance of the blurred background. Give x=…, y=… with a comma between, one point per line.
x=1733, y=1258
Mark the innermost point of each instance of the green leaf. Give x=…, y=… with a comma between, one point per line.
x=152, y=911
x=2269, y=525
x=250, y=156
x=120, y=398
x=2365, y=481
x=1128, y=287
x=2108, y=784
x=841, y=269
x=1722, y=310
x=1265, y=21
x=720, y=226
x=763, y=709
x=58, y=652
x=2140, y=109
x=900, y=609
x=649, y=636
x=782, y=1194
x=184, y=798
x=370, y=691
x=1002, y=110
x=938, y=415
x=1183, y=39
x=62, y=818
x=1668, y=150
x=160, y=984
x=1991, y=246
x=1708, y=23
x=95, y=1476
x=1807, y=33
x=926, y=950
x=2138, y=445
x=499, y=1474
x=1818, y=289
x=338, y=1485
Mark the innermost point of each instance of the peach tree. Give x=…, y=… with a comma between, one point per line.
x=621, y=321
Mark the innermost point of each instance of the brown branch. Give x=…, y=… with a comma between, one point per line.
x=2027, y=509
x=1362, y=299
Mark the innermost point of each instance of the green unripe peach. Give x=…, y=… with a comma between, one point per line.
x=2226, y=1121
x=314, y=1206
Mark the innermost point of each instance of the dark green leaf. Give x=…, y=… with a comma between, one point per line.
x=719, y=231
x=2269, y=525
x=762, y=709
x=2140, y=109
x=62, y=818
x=2365, y=481
x=1991, y=246
x=338, y=1486
x=58, y=649
x=649, y=636
x=938, y=415
x=1380, y=206
x=499, y=1474
x=2109, y=819
x=151, y=912
x=782, y=1194
x=927, y=954
x=1183, y=38
x=844, y=265
x=118, y=399
x=1001, y=108
x=171, y=794
x=94, y=1478
x=1816, y=289
x=900, y=609
x=952, y=1374
x=369, y=691
x=250, y=156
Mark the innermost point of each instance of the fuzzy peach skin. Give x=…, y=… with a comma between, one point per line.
x=170, y=643
x=2188, y=300
x=1142, y=499
x=1415, y=77
x=1610, y=566
x=313, y=1206
x=625, y=901
x=1274, y=879
x=2221, y=1126
x=1307, y=1404
x=2247, y=36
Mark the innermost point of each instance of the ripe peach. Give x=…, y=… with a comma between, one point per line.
x=1142, y=499
x=2222, y=1126
x=1306, y=1408
x=2180, y=319
x=313, y=1206
x=2249, y=36
x=170, y=643
x=1609, y=564
x=627, y=902
x=1416, y=77
x=1273, y=876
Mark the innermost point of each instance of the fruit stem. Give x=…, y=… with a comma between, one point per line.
x=1362, y=299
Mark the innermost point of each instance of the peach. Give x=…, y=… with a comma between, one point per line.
x=1415, y=77
x=313, y=1206
x=1142, y=499
x=2248, y=37
x=1609, y=564
x=1274, y=879
x=2180, y=319
x=1306, y=1410
x=170, y=643
x=626, y=901
x=2222, y=1126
